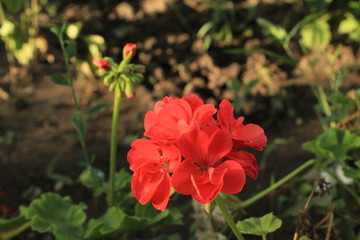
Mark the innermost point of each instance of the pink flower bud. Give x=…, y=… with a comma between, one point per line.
x=129, y=50
x=102, y=64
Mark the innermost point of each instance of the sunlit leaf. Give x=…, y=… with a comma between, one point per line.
x=25, y=54
x=350, y=25
x=7, y=29
x=259, y=226
x=58, y=215
x=73, y=30
x=316, y=35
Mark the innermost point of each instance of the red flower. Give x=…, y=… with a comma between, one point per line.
x=212, y=161
x=203, y=173
x=249, y=135
x=102, y=64
x=151, y=164
x=173, y=116
x=129, y=49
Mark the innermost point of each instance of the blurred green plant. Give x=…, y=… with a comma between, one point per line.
x=19, y=29
x=220, y=27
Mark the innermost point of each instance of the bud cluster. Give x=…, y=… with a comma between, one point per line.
x=121, y=76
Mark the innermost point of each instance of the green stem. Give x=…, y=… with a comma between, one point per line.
x=69, y=77
x=74, y=97
x=228, y=218
x=11, y=234
x=274, y=186
x=113, y=145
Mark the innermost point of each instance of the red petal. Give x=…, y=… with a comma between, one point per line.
x=181, y=178
x=220, y=144
x=144, y=187
x=142, y=151
x=250, y=135
x=203, y=116
x=162, y=195
x=193, y=100
x=205, y=191
x=247, y=161
x=234, y=178
x=150, y=120
x=194, y=145
x=225, y=115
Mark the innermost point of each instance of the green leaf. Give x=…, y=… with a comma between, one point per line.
x=70, y=49
x=97, y=109
x=205, y=29
x=275, y=31
x=259, y=226
x=79, y=123
x=334, y=144
x=7, y=29
x=93, y=178
x=13, y=5
x=52, y=213
x=348, y=25
x=116, y=220
x=316, y=34
x=56, y=31
x=6, y=224
x=61, y=80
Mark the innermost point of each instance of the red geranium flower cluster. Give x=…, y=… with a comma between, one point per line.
x=189, y=150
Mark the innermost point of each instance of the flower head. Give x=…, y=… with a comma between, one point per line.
x=212, y=159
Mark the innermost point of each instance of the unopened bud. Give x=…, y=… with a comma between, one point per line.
x=129, y=91
x=102, y=64
x=129, y=50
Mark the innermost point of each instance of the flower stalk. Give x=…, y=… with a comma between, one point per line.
x=113, y=145
x=228, y=218
x=120, y=84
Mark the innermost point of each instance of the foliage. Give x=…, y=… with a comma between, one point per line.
x=259, y=226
